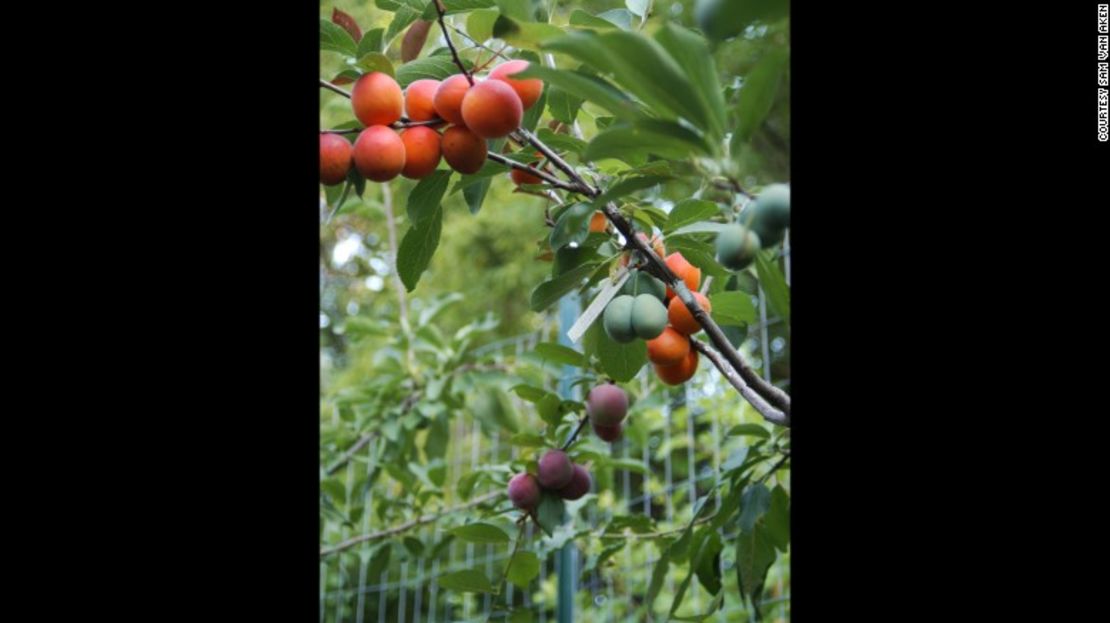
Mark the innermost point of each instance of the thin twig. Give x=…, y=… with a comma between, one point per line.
x=479, y=44
x=332, y=87
x=544, y=175
x=769, y=413
x=408, y=525
x=441, y=10
x=575, y=432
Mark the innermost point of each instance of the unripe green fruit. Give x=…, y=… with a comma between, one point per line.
x=769, y=215
x=617, y=319
x=649, y=317
x=643, y=283
x=736, y=247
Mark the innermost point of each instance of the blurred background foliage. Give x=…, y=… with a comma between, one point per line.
x=432, y=402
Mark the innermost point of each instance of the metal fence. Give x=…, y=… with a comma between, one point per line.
x=406, y=591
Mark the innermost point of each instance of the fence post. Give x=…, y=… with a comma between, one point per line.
x=569, y=308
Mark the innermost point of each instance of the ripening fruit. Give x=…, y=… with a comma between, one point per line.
x=555, y=469
x=684, y=270
x=641, y=282
x=578, y=486
x=669, y=348
x=527, y=89
x=617, y=319
x=492, y=109
x=681, y=318
x=335, y=158
x=524, y=492
x=736, y=247
x=770, y=214
x=598, y=222
x=449, y=97
x=376, y=99
x=649, y=317
x=606, y=405
x=463, y=150
x=609, y=433
x=681, y=372
x=419, y=98
x=421, y=152
x=379, y=153
x=523, y=177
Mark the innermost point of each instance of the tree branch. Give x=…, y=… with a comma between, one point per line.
x=544, y=175
x=768, y=412
x=574, y=433
x=441, y=10
x=332, y=87
x=408, y=525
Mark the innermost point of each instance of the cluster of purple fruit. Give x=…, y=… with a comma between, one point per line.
x=606, y=405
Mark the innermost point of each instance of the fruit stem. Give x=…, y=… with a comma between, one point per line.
x=441, y=10
x=574, y=435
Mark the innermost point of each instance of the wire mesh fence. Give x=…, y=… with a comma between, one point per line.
x=682, y=455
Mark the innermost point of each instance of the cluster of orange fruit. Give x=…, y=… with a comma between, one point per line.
x=675, y=361
x=491, y=108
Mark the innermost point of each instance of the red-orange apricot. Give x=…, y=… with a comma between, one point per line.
x=680, y=372
x=527, y=89
x=379, y=153
x=681, y=318
x=376, y=99
x=464, y=151
x=684, y=270
x=598, y=223
x=335, y=158
x=492, y=109
x=448, y=98
x=669, y=348
x=523, y=177
x=421, y=151
x=418, y=99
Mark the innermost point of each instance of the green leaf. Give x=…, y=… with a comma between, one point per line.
x=619, y=361
x=572, y=226
x=525, y=35
x=380, y=562
x=480, y=533
x=621, y=17
x=582, y=19
x=532, y=115
x=631, y=465
x=560, y=354
x=521, y=616
x=335, y=489
x=376, y=61
x=528, y=392
x=479, y=24
x=774, y=286
x=550, y=291
x=658, y=574
x=528, y=439
x=754, y=430
x=776, y=522
x=637, y=7
x=518, y=9
x=475, y=194
x=689, y=211
x=753, y=504
x=425, y=198
x=692, y=52
x=466, y=581
x=626, y=186
x=754, y=555
x=699, y=254
x=548, y=409
x=335, y=39
x=633, y=142
x=414, y=545
x=559, y=142
x=433, y=67
x=404, y=16
x=641, y=66
x=587, y=87
x=562, y=105
x=704, y=227
x=467, y=482
x=550, y=512
x=757, y=95
x=417, y=248
x=371, y=42
x=722, y=19
x=523, y=568
x=458, y=6
x=707, y=561
x=732, y=308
